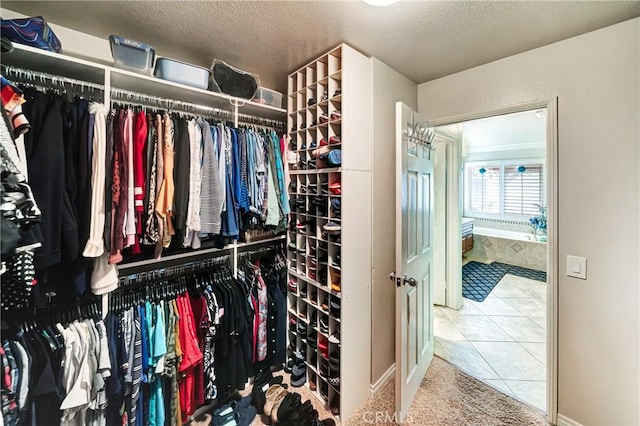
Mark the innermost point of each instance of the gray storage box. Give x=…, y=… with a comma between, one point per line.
x=132, y=55
x=268, y=97
x=181, y=72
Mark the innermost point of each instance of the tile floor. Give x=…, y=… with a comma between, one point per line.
x=502, y=340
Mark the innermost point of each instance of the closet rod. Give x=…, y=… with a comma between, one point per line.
x=173, y=271
x=172, y=260
x=34, y=77
x=144, y=100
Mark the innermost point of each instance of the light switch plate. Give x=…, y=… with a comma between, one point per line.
x=577, y=267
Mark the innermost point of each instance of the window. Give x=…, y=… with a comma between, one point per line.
x=509, y=189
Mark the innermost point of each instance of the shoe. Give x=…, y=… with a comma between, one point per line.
x=312, y=101
x=323, y=369
x=293, y=286
x=302, y=328
x=288, y=366
x=245, y=416
x=314, y=123
x=336, y=260
x=303, y=293
x=336, y=287
x=335, y=337
x=292, y=246
x=276, y=407
x=322, y=275
x=334, y=140
x=337, y=93
x=334, y=306
x=325, y=304
x=335, y=206
x=335, y=188
x=271, y=395
x=325, y=96
x=324, y=326
x=332, y=227
x=324, y=118
x=323, y=142
x=206, y=420
x=324, y=391
x=304, y=125
x=298, y=376
x=335, y=407
x=334, y=381
x=312, y=384
x=334, y=159
x=293, y=323
x=301, y=226
x=335, y=115
x=312, y=341
x=323, y=346
x=320, y=152
x=313, y=145
x=313, y=322
x=293, y=129
x=290, y=404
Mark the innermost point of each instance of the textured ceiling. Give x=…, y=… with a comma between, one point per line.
x=421, y=39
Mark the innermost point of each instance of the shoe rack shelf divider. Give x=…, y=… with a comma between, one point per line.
x=347, y=70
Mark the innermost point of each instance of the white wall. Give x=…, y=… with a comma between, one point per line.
x=596, y=79
x=389, y=87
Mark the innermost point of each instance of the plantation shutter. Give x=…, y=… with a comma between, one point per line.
x=484, y=189
x=523, y=190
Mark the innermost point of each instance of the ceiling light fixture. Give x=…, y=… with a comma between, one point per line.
x=380, y=3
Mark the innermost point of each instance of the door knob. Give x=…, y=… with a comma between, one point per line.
x=399, y=280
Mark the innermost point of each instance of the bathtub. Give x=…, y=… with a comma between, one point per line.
x=506, y=234
x=512, y=247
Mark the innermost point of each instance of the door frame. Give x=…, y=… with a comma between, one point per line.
x=552, y=230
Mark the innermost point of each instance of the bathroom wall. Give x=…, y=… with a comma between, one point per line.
x=595, y=77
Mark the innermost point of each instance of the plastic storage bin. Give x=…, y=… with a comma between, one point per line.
x=132, y=55
x=183, y=73
x=268, y=97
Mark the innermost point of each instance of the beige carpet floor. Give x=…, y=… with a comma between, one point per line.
x=450, y=397
x=447, y=397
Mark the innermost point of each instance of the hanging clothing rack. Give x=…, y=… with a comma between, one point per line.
x=144, y=100
x=45, y=80
x=171, y=271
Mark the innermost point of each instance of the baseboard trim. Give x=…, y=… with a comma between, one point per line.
x=566, y=421
x=377, y=386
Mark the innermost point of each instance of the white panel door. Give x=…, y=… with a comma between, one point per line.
x=414, y=252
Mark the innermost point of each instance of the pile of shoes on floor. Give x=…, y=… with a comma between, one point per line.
x=269, y=398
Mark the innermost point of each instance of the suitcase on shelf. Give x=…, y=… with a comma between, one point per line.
x=34, y=32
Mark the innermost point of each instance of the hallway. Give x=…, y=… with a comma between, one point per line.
x=501, y=341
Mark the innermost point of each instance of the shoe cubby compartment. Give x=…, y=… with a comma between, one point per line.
x=311, y=74
x=322, y=67
x=338, y=81
x=301, y=80
x=323, y=91
x=335, y=61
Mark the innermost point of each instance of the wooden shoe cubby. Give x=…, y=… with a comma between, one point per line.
x=344, y=76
